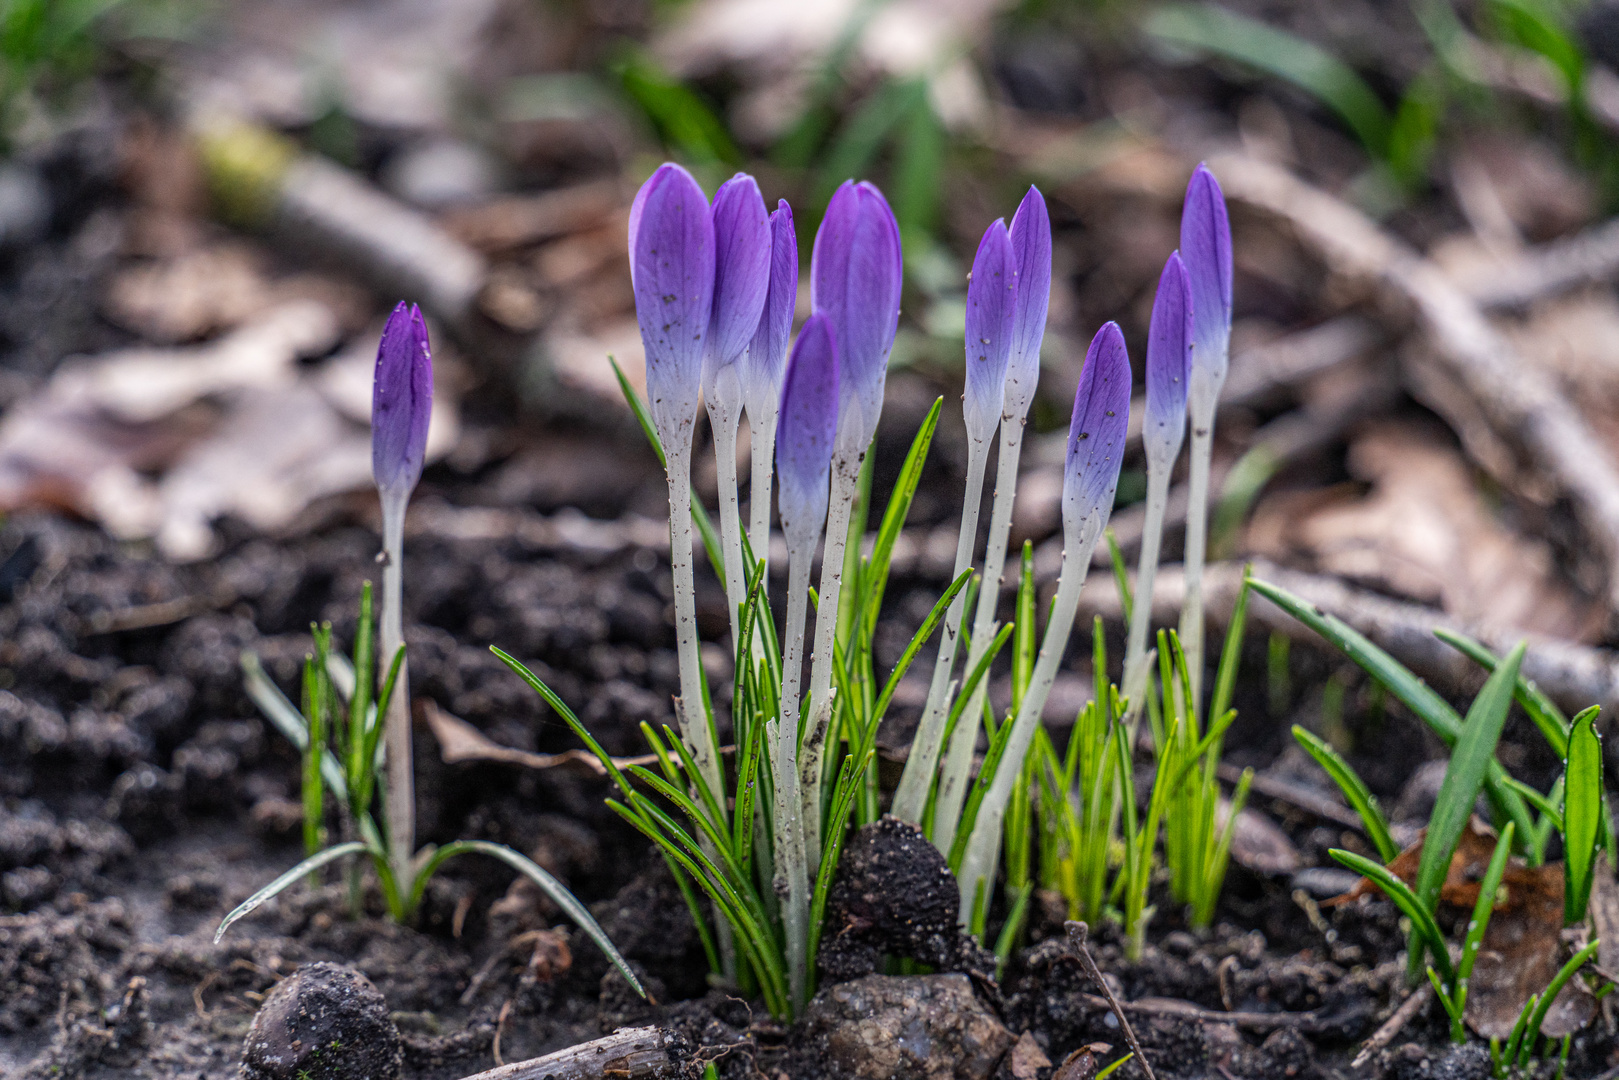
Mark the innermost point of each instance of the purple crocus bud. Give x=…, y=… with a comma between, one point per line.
x=991, y=310
x=741, y=271
x=767, y=355
x=672, y=268
x=401, y=402
x=809, y=428
x=1206, y=248
x=1169, y=359
x=855, y=274
x=1096, y=439
x=1031, y=251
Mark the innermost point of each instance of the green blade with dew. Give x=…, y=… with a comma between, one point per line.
x=308, y=866
x=1582, y=814
x=1541, y=709
x=1422, y=921
x=1354, y=790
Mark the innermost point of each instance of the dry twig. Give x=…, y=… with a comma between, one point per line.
x=642, y=1053
x=1393, y=1025
x=1076, y=945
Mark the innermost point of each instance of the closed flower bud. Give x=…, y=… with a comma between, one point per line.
x=767, y=355
x=1206, y=250
x=741, y=272
x=1169, y=358
x=991, y=309
x=401, y=402
x=809, y=427
x=672, y=270
x=1096, y=439
x=1031, y=253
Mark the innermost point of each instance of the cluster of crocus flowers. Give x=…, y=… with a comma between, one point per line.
x=401, y=406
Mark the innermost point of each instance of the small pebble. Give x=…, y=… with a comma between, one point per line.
x=325, y=1022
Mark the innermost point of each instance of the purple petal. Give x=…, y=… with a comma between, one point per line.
x=673, y=272
x=855, y=274
x=767, y=355
x=809, y=428
x=1169, y=359
x=741, y=268
x=991, y=310
x=1096, y=437
x=401, y=401
x=1206, y=248
x=1031, y=248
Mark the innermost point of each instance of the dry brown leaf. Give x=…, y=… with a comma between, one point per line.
x=459, y=741
x=1605, y=918
x=1424, y=531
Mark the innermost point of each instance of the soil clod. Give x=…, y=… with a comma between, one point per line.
x=916, y=1027
x=325, y=1022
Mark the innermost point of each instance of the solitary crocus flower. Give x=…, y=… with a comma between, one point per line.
x=672, y=269
x=1206, y=248
x=1169, y=358
x=991, y=310
x=1031, y=252
x=741, y=271
x=401, y=403
x=809, y=425
x=855, y=274
x=1096, y=440
x=767, y=354
x=764, y=365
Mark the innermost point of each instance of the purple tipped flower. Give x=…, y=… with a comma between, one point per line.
x=1031, y=250
x=767, y=355
x=741, y=271
x=672, y=268
x=991, y=311
x=1206, y=248
x=855, y=274
x=401, y=402
x=809, y=427
x=1096, y=439
x=1169, y=360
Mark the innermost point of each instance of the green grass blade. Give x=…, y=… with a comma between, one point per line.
x=308, y=866
x=1225, y=682
x=1355, y=791
x=918, y=639
x=1395, y=677
x=558, y=892
x=1469, y=762
x=1485, y=905
x=1582, y=814
x=285, y=718
x=1282, y=55
x=568, y=717
x=1541, y=709
x=1121, y=574
x=899, y=507
x=1544, y=803
x=1422, y=921
x=1543, y=1003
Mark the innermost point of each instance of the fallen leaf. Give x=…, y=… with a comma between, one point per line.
x=1604, y=908
x=1026, y=1060
x=459, y=741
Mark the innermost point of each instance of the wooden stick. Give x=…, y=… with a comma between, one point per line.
x=1076, y=945
x=641, y=1053
x=1393, y=1025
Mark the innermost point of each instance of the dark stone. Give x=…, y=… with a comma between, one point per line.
x=325, y=1022
x=904, y=1027
x=894, y=895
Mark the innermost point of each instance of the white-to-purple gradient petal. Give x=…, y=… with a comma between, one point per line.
x=1096, y=438
x=767, y=354
x=673, y=261
x=991, y=310
x=1169, y=360
x=401, y=401
x=807, y=433
x=1031, y=250
x=1206, y=250
x=855, y=276
x=741, y=268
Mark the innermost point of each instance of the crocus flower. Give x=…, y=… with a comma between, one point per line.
x=804, y=440
x=855, y=274
x=401, y=403
x=991, y=311
x=1031, y=252
x=767, y=354
x=1169, y=358
x=1206, y=249
x=742, y=260
x=1096, y=439
x=672, y=270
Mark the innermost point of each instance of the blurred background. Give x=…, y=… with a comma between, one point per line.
x=206, y=208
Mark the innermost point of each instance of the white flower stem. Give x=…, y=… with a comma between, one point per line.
x=792, y=871
x=401, y=795
x=1197, y=523
x=695, y=727
x=910, y=799
x=983, y=847
x=1135, y=655
x=959, y=757
x=722, y=419
x=845, y=486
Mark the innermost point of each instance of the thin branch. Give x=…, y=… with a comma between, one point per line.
x=1076, y=945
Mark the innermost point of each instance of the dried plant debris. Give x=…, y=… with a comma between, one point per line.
x=1424, y=530
x=1522, y=947
x=160, y=442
